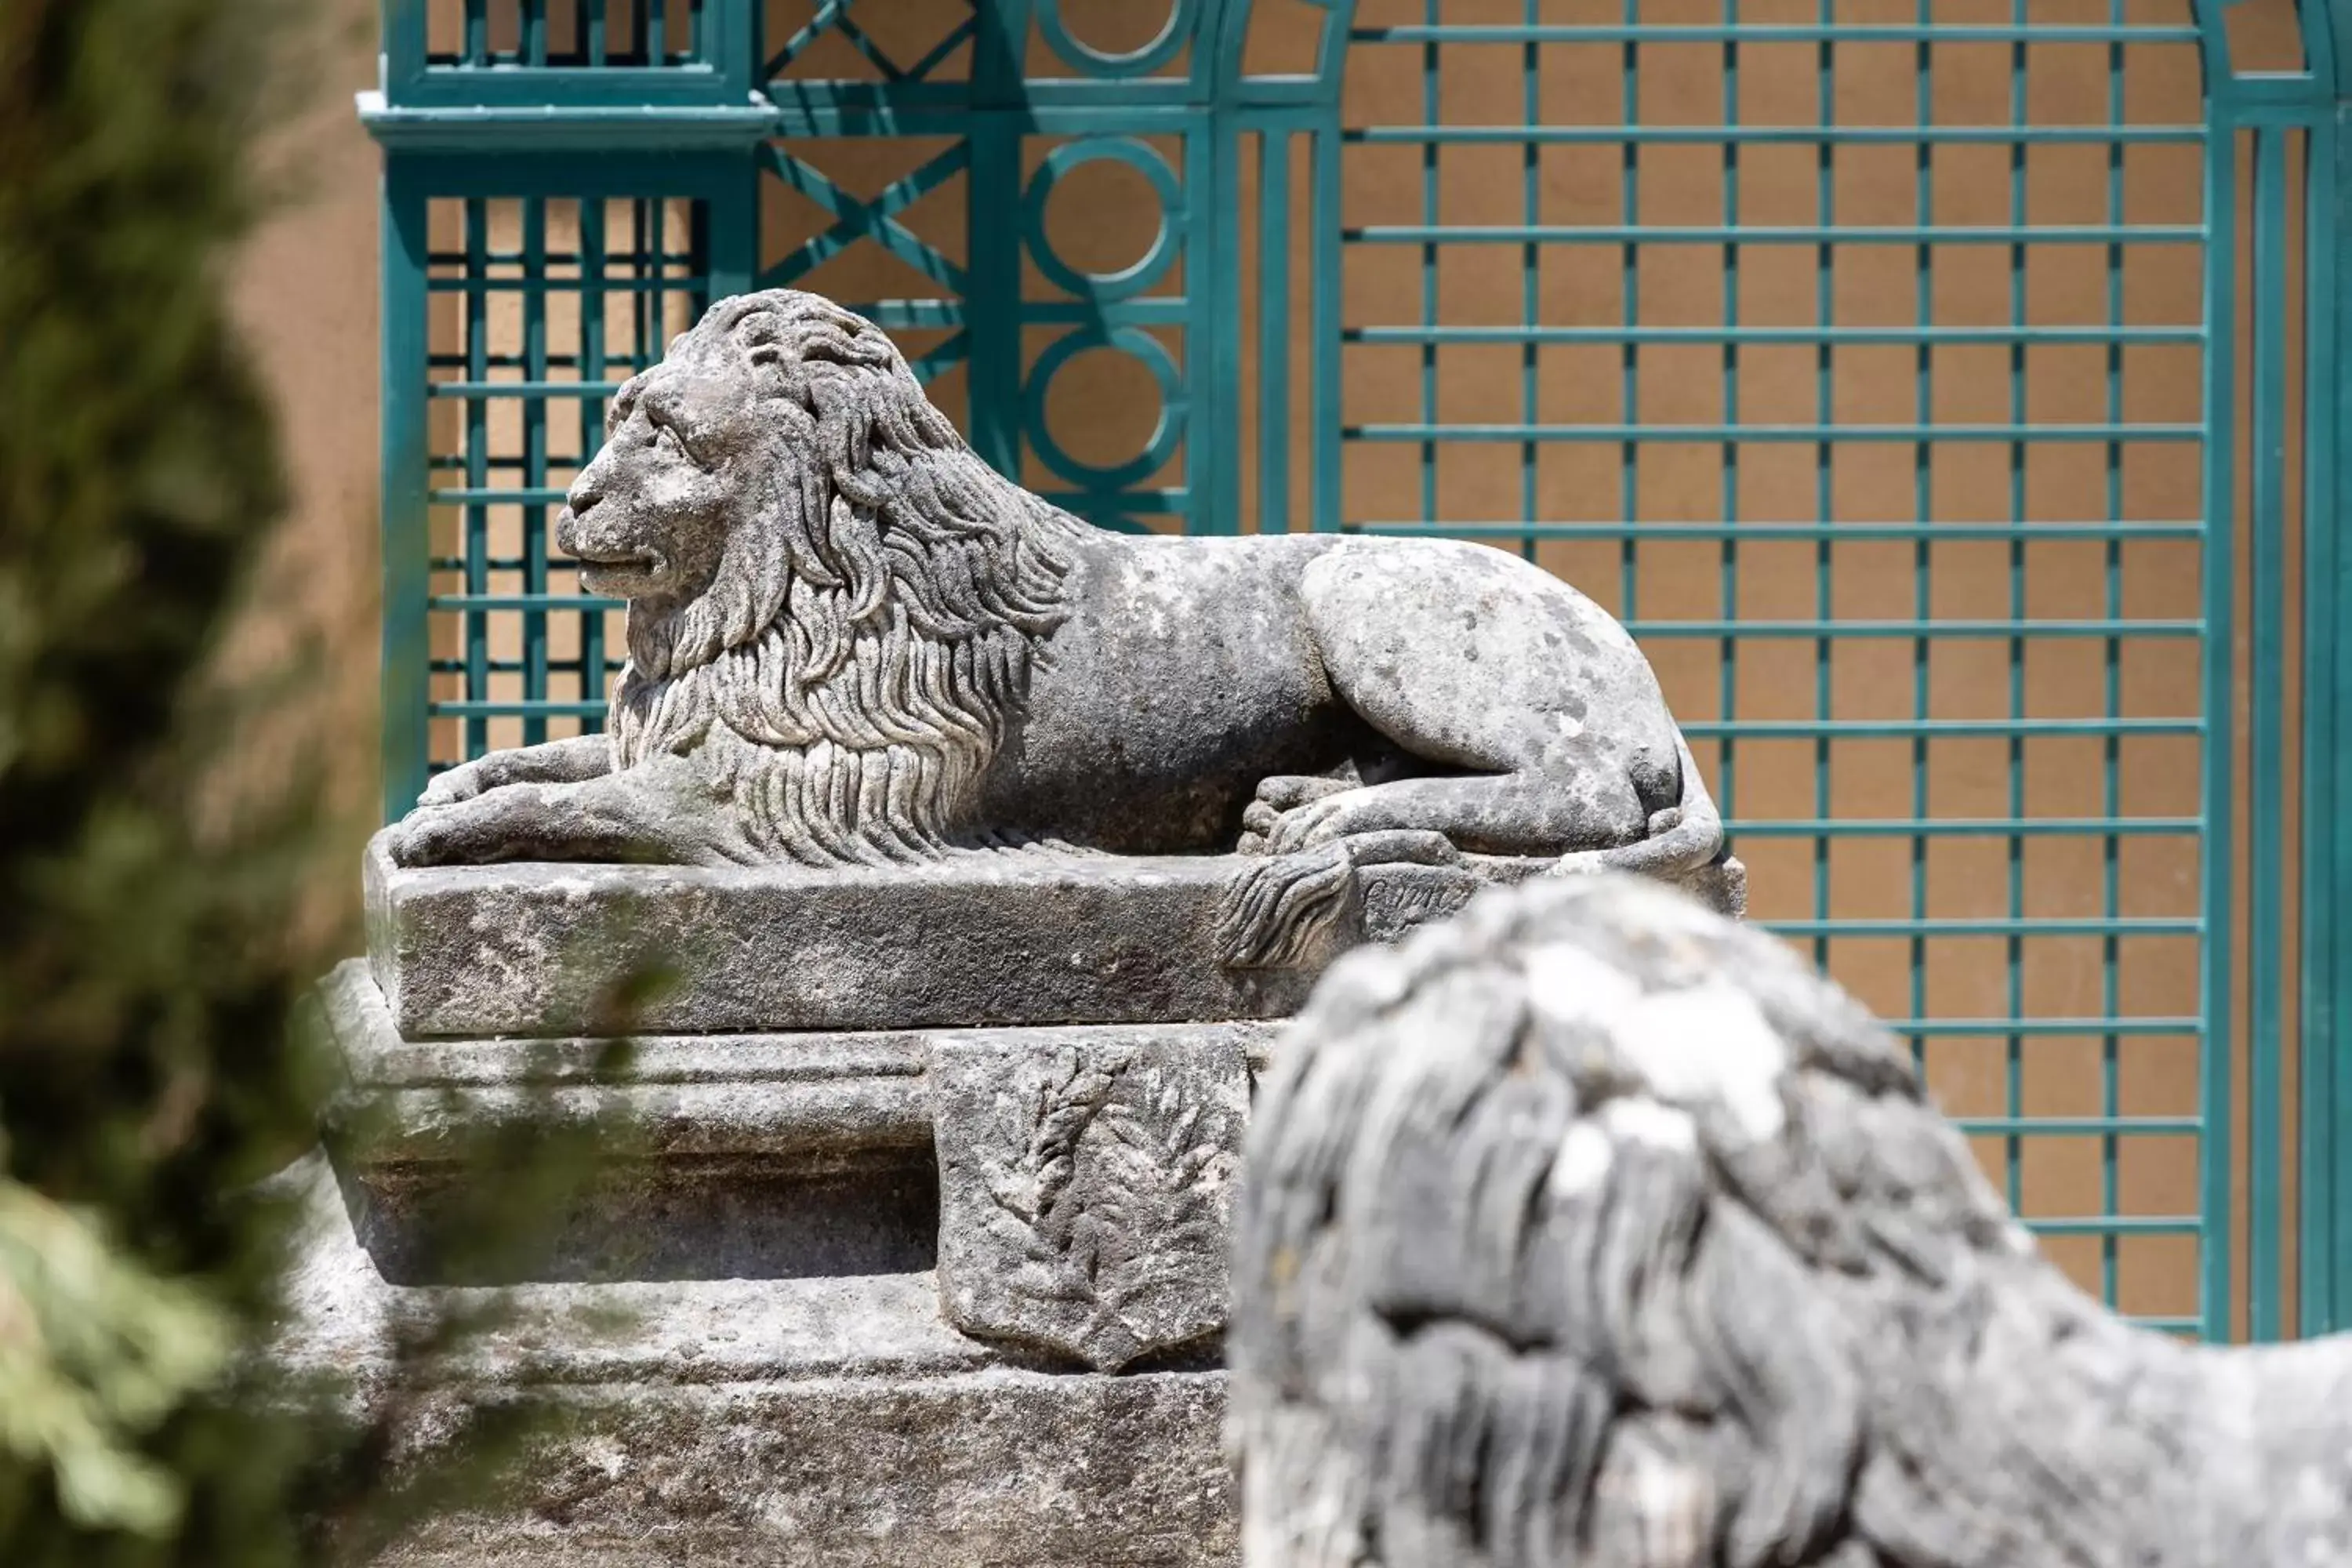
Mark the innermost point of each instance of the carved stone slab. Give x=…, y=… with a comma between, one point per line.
x=1015, y=940
x=1012, y=940
x=1086, y=1185
x=1393, y=899
x=806, y=1421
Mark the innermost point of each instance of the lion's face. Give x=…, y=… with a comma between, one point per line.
x=650, y=517
x=832, y=599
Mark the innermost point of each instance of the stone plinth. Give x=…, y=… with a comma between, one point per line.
x=1012, y=939
x=809, y=1422
x=1008, y=939
x=733, y=1156
x=907, y=1240
x=744, y=1317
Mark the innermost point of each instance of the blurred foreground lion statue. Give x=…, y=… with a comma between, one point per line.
x=851, y=641
x=1592, y=1229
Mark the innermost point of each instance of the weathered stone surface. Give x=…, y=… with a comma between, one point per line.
x=822, y=1095
x=1594, y=1228
x=1009, y=938
x=1002, y=1468
x=1013, y=939
x=821, y=1300
x=787, y=1422
x=739, y=1315
x=852, y=643
x=1085, y=1186
x=1395, y=898
x=754, y=1156
x=721, y=1156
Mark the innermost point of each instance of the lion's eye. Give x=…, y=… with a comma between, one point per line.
x=667, y=437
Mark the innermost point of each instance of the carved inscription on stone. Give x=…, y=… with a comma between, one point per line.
x=1086, y=1185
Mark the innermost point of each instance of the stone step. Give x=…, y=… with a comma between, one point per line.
x=766, y=1156
x=809, y=1421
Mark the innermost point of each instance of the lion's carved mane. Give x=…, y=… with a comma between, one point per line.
x=847, y=675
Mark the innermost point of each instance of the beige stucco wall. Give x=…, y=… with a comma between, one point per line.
x=304, y=290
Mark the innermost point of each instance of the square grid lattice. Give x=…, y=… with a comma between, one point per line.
x=1856, y=365
x=595, y=35
x=1924, y=383
x=541, y=309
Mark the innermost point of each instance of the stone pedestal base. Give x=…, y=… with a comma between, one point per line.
x=827, y=1422
x=943, y=1297
x=906, y=1239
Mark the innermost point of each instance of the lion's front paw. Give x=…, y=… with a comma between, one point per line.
x=465, y=781
x=451, y=832
x=506, y=822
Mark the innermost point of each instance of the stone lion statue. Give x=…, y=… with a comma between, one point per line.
x=1592, y=1228
x=852, y=641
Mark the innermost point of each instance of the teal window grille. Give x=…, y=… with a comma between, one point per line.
x=1948, y=394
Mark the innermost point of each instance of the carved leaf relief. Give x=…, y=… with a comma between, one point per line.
x=1104, y=1175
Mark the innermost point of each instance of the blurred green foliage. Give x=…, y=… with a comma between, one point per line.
x=93, y=1351
x=146, y=1068
x=148, y=1073
x=150, y=897
x=158, y=857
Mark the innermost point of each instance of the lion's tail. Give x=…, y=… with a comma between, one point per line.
x=1683, y=838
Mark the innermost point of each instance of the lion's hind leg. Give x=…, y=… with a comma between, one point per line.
x=1536, y=725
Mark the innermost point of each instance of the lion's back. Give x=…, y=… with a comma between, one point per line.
x=1487, y=639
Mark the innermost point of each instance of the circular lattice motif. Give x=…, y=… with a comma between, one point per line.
x=1137, y=275
x=1165, y=434
x=1142, y=61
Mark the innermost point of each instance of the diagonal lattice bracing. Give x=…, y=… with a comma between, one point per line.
x=834, y=17
x=855, y=220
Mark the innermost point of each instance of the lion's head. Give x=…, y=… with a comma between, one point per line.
x=830, y=597
x=1592, y=1227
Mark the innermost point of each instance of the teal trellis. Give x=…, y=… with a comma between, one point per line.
x=568, y=181
x=535, y=102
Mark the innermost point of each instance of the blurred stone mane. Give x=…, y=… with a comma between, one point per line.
x=1592, y=1228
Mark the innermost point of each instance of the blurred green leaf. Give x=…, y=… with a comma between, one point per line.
x=94, y=1351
